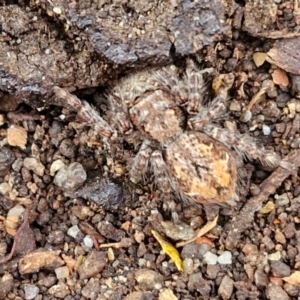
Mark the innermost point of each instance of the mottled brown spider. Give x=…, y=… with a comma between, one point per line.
x=187, y=153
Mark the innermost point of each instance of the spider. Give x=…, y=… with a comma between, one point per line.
x=188, y=154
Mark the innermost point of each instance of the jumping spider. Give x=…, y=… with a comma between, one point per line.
x=187, y=153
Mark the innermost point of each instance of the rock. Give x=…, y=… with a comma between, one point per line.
x=93, y=264
x=107, y=194
x=198, y=283
x=5, y=188
x=91, y=289
x=39, y=259
x=67, y=148
x=114, y=42
x=7, y=157
x=275, y=292
x=6, y=285
x=148, y=279
x=62, y=272
x=210, y=258
x=31, y=291
x=166, y=294
x=188, y=265
x=70, y=177
x=33, y=165
x=88, y=241
x=280, y=269
x=139, y=296
x=266, y=129
x=73, y=231
x=261, y=279
x=179, y=231
x=55, y=166
x=225, y=258
x=60, y=290
x=226, y=288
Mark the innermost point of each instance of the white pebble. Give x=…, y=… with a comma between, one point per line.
x=266, y=129
x=246, y=116
x=34, y=165
x=88, y=241
x=225, y=258
x=210, y=258
x=73, y=231
x=55, y=166
x=62, y=272
x=4, y=188
x=16, y=211
x=31, y=291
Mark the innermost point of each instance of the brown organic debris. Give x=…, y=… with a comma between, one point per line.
x=24, y=241
x=40, y=259
x=17, y=136
x=209, y=226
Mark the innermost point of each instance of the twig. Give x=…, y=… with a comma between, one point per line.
x=244, y=219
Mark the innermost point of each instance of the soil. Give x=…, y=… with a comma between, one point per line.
x=72, y=224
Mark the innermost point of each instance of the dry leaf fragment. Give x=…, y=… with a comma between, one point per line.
x=169, y=249
x=294, y=278
x=280, y=77
x=24, y=240
x=259, y=58
x=204, y=240
x=17, y=136
x=267, y=208
x=209, y=226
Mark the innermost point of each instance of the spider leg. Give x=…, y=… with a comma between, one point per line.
x=119, y=113
x=216, y=108
x=195, y=84
x=160, y=171
x=86, y=112
x=244, y=145
x=140, y=162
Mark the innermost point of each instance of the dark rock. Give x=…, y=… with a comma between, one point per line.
x=7, y=157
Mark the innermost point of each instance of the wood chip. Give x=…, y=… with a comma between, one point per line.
x=17, y=136
x=40, y=259
x=293, y=278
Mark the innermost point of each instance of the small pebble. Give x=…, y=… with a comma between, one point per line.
x=34, y=165
x=274, y=256
x=235, y=106
x=7, y=157
x=225, y=258
x=266, y=129
x=73, y=231
x=282, y=200
x=62, y=272
x=55, y=166
x=16, y=211
x=226, y=288
x=246, y=116
x=88, y=241
x=188, y=265
x=210, y=258
x=70, y=177
x=4, y=188
x=31, y=291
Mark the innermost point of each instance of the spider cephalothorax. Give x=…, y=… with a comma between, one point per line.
x=187, y=153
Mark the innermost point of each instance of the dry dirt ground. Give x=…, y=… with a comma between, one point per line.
x=72, y=224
